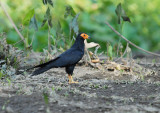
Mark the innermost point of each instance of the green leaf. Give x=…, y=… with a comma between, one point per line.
x=59, y=30
x=44, y=21
x=44, y=2
x=125, y=17
x=9, y=81
x=50, y=2
x=47, y=17
x=74, y=24
x=28, y=17
x=50, y=22
x=121, y=13
x=33, y=23
x=1, y=74
x=69, y=11
x=118, y=12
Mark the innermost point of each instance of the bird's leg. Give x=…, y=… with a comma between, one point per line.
x=71, y=81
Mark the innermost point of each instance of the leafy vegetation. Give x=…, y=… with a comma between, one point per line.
x=92, y=16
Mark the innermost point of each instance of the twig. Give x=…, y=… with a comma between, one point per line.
x=10, y=19
x=130, y=41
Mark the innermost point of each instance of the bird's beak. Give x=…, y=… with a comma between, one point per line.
x=89, y=37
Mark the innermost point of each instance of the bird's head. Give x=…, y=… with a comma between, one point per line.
x=83, y=36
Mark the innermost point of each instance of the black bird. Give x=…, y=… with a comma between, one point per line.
x=68, y=59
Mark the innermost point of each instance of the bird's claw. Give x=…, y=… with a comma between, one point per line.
x=73, y=82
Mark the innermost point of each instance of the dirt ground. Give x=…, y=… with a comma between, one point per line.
x=98, y=91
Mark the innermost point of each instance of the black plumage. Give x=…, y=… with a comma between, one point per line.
x=68, y=59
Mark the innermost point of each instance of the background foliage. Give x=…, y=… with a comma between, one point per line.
x=143, y=29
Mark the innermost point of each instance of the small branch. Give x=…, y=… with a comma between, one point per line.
x=10, y=19
x=131, y=42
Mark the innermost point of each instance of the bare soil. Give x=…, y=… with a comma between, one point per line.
x=98, y=91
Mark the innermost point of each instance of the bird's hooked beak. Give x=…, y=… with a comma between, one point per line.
x=85, y=36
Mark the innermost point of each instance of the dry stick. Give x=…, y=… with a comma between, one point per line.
x=130, y=41
x=10, y=19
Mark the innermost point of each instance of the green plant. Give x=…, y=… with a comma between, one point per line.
x=153, y=61
x=53, y=88
x=142, y=77
x=1, y=74
x=110, y=52
x=105, y=87
x=46, y=100
x=9, y=81
x=96, y=86
x=66, y=94
x=59, y=89
x=4, y=105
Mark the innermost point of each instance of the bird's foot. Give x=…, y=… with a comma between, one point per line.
x=71, y=81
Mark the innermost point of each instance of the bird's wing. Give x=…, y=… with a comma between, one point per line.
x=70, y=57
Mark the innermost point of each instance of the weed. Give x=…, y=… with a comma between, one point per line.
x=105, y=87
x=72, y=91
x=5, y=103
x=59, y=89
x=153, y=61
x=110, y=51
x=9, y=81
x=1, y=74
x=46, y=97
x=96, y=86
x=142, y=77
x=19, y=91
x=157, y=83
x=53, y=88
x=66, y=94
x=46, y=100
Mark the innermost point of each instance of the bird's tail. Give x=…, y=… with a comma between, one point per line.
x=44, y=67
x=41, y=70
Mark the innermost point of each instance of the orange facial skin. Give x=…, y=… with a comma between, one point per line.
x=85, y=36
